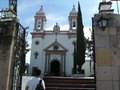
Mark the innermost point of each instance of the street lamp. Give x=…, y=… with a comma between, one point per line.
x=102, y=22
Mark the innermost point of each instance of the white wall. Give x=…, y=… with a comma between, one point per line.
x=86, y=67
x=45, y=42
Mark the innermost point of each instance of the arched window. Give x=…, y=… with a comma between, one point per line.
x=74, y=24
x=39, y=24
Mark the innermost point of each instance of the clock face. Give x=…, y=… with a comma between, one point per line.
x=56, y=28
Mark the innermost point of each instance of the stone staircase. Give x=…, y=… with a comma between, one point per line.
x=70, y=83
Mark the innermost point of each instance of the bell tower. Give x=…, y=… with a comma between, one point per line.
x=40, y=20
x=72, y=19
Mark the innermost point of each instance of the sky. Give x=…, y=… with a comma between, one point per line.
x=57, y=11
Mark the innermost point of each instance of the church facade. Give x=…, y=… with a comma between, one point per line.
x=52, y=51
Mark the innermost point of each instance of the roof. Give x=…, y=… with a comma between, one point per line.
x=40, y=12
x=104, y=3
x=55, y=43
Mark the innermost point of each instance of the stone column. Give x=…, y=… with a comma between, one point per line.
x=64, y=56
x=49, y=64
x=46, y=64
x=62, y=65
x=7, y=41
x=106, y=49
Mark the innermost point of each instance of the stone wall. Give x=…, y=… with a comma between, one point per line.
x=7, y=37
x=107, y=49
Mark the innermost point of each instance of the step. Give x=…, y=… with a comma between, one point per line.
x=70, y=83
x=74, y=78
x=60, y=88
x=69, y=80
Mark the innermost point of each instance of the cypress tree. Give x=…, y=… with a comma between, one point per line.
x=80, y=41
x=74, y=58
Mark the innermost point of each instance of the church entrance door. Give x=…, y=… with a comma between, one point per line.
x=55, y=68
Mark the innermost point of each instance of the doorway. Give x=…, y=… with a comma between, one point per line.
x=55, y=68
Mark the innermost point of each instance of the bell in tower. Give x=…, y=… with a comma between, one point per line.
x=72, y=19
x=40, y=20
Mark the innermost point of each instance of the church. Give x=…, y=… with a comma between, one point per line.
x=52, y=50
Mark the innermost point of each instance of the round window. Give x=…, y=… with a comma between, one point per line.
x=37, y=42
x=55, y=47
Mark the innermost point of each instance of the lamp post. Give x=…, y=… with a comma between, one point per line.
x=102, y=22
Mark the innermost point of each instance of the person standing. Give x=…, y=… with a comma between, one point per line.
x=32, y=83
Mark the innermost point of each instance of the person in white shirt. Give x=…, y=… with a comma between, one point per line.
x=32, y=83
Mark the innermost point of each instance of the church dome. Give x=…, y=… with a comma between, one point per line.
x=73, y=12
x=41, y=12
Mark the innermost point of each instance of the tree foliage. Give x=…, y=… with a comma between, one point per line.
x=80, y=43
x=21, y=48
x=90, y=50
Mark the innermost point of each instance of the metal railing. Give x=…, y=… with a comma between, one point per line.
x=19, y=58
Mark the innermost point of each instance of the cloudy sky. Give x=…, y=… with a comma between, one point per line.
x=56, y=11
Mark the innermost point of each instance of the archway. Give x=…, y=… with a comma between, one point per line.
x=55, y=68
